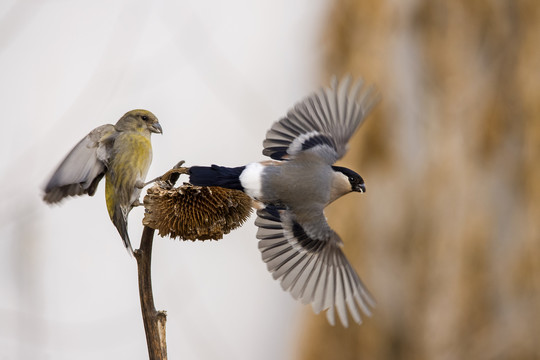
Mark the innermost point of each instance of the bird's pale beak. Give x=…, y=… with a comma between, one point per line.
x=156, y=128
x=360, y=188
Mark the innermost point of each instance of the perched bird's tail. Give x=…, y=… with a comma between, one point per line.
x=120, y=222
x=216, y=176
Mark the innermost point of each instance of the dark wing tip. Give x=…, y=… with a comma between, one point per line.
x=55, y=193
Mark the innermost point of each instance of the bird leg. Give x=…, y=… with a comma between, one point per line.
x=136, y=203
x=171, y=176
x=166, y=180
x=140, y=184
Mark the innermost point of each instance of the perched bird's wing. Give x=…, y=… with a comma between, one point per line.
x=322, y=123
x=83, y=167
x=307, y=259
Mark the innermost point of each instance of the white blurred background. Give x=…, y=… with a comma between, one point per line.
x=216, y=74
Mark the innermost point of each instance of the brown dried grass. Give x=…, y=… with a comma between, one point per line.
x=447, y=237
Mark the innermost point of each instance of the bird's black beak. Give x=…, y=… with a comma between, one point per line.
x=156, y=128
x=360, y=188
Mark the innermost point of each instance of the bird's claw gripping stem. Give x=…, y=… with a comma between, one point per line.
x=171, y=176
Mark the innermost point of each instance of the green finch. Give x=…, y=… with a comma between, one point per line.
x=122, y=153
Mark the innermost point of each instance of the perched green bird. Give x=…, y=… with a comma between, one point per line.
x=122, y=153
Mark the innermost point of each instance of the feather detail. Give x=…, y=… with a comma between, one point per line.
x=313, y=270
x=323, y=122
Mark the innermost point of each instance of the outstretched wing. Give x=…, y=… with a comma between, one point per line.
x=310, y=264
x=84, y=166
x=322, y=123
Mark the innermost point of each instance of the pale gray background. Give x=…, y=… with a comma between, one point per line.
x=216, y=74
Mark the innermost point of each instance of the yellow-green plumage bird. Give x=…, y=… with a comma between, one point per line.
x=122, y=153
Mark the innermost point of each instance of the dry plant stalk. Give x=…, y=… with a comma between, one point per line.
x=194, y=212
x=154, y=321
x=187, y=212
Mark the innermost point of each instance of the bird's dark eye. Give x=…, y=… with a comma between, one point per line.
x=144, y=117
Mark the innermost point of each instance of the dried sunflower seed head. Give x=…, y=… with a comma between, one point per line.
x=195, y=212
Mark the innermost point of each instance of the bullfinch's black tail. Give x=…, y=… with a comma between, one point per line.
x=216, y=176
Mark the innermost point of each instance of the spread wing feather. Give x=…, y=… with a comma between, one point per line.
x=82, y=169
x=322, y=123
x=311, y=265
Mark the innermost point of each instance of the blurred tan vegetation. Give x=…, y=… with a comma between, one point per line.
x=447, y=237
